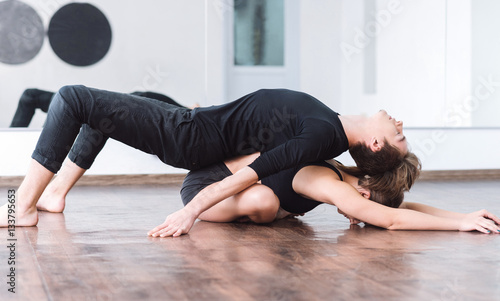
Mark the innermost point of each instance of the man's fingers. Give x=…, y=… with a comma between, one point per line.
x=178, y=233
x=157, y=229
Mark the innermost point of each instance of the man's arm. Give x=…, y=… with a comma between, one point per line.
x=181, y=221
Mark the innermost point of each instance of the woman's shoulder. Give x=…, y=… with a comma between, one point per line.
x=329, y=164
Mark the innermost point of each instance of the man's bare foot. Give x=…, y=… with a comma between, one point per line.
x=19, y=216
x=51, y=201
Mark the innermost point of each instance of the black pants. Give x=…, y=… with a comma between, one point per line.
x=93, y=115
x=33, y=99
x=30, y=100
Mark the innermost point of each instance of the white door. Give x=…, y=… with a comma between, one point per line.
x=263, y=46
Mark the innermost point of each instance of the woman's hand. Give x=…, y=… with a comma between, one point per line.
x=482, y=221
x=176, y=224
x=351, y=219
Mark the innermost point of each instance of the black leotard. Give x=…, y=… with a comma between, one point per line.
x=280, y=183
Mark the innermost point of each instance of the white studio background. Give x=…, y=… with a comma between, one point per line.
x=417, y=67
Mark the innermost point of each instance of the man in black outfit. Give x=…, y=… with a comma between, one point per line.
x=287, y=127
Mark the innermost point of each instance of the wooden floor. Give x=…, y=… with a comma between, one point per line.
x=98, y=250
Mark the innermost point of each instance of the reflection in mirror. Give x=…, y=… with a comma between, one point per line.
x=431, y=63
x=160, y=50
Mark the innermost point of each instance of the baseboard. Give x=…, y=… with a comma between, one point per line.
x=460, y=175
x=162, y=179
x=110, y=180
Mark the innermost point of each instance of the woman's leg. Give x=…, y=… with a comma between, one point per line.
x=258, y=203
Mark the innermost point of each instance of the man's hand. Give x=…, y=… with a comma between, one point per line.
x=482, y=221
x=176, y=224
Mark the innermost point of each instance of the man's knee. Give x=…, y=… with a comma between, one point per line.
x=28, y=98
x=71, y=91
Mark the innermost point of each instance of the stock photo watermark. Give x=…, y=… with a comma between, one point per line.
x=267, y=134
x=458, y=115
x=11, y=241
x=222, y=7
x=364, y=36
x=153, y=79
x=451, y=290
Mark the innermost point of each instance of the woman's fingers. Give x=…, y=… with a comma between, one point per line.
x=492, y=217
x=489, y=226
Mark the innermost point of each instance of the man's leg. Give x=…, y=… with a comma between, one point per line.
x=30, y=100
x=159, y=97
x=53, y=198
x=81, y=157
x=114, y=114
x=27, y=195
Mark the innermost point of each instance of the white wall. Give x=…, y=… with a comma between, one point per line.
x=438, y=149
x=115, y=158
x=485, y=46
x=156, y=45
x=187, y=40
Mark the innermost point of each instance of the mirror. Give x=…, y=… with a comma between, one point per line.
x=154, y=46
x=436, y=59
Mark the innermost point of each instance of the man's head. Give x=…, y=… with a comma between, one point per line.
x=383, y=147
x=383, y=127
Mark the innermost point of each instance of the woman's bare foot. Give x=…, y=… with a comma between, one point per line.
x=282, y=213
x=243, y=219
x=20, y=217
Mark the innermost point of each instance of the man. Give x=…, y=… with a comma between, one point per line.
x=287, y=127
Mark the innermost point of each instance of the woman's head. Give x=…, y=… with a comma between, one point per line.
x=388, y=188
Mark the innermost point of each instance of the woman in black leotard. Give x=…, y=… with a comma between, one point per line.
x=294, y=192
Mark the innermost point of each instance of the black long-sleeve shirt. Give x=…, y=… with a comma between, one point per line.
x=288, y=128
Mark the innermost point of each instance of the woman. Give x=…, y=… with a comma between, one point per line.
x=294, y=191
x=260, y=202
x=288, y=127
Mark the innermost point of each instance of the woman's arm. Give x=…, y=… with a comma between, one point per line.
x=431, y=210
x=322, y=184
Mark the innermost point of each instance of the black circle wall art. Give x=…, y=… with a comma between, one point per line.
x=79, y=34
x=21, y=32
